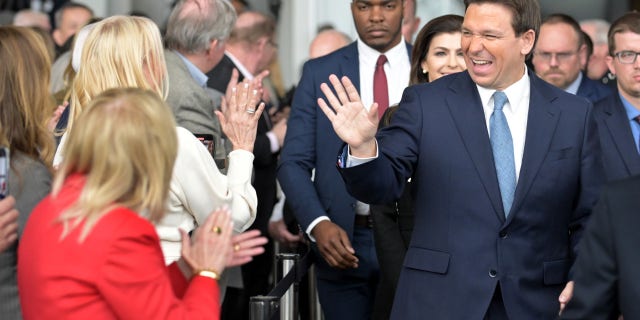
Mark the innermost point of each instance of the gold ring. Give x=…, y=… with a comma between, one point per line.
x=236, y=247
x=216, y=229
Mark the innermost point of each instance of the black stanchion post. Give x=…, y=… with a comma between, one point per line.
x=263, y=307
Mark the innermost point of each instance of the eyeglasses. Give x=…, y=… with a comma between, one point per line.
x=560, y=56
x=627, y=56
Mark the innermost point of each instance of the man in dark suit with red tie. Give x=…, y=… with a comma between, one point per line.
x=337, y=224
x=505, y=166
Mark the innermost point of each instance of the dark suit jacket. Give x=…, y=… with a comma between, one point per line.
x=462, y=246
x=619, y=153
x=607, y=278
x=592, y=90
x=311, y=144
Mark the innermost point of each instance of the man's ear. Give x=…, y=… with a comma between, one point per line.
x=528, y=38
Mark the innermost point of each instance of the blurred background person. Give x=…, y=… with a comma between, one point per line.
x=8, y=223
x=30, y=18
x=597, y=65
x=436, y=53
x=559, y=55
x=327, y=41
x=410, y=22
x=69, y=18
x=25, y=107
x=90, y=249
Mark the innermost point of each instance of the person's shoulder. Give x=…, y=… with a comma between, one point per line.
x=124, y=222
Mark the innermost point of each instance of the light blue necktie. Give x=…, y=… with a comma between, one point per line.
x=502, y=146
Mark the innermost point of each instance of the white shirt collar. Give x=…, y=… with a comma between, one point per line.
x=515, y=93
x=575, y=85
x=243, y=70
x=394, y=55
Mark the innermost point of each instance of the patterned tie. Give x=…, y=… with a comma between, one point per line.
x=380, y=89
x=502, y=146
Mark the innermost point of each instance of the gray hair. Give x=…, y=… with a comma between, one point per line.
x=601, y=28
x=191, y=30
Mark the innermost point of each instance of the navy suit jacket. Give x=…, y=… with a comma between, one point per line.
x=462, y=245
x=606, y=272
x=619, y=153
x=311, y=143
x=593, y=90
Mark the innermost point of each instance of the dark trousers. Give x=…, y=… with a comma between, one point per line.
x=496, y=309
x=351, y=294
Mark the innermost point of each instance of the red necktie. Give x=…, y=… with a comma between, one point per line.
x=380, y=89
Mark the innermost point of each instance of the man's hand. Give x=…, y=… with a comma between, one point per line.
x=334, y=245
x=280, y=130
x=351, y=121
x=278, y=231
x=565, y=296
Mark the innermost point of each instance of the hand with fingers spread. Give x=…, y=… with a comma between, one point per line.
x=245, y=246
x=211, y=247
x=354, y=124
x=334, y=245
x=239, y=115
x=8, y=223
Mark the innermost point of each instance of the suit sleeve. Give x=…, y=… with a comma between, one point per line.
x=591, y=181
x=298, y=155
x=137, y=285
x=595, y=270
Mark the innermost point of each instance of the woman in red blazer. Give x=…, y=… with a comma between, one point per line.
x=87, y=253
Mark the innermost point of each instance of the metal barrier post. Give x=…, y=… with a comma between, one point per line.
x=289, y=301
x=314, y=303
x=263, y=307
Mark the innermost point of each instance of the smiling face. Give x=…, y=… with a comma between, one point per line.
x=494, y=55
x=444, y=56
x=378, y=22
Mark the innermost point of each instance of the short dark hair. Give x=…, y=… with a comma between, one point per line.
x=525, y=13
x=444, y=24
x=566, y=19
x=629, y=22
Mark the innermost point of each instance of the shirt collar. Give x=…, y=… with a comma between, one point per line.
x=196, y=73
x=573, y=87
x=515, y=92
x=394, y=55
x=240, y=66
x=632, y=112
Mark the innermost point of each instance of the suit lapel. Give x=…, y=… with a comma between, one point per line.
x=617, y=124
x=350, y=64
x=541, y=124
x=468, y=115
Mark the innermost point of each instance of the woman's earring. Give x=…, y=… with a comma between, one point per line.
x=424, y=71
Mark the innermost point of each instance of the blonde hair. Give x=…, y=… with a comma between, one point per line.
x=120, y=51
x=125, y=144
x=25, y=102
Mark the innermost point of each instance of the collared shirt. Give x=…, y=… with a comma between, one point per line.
x=632, y=113
x=197, y=74
x=243, y=70
x=575, y=85
x=397, y=69
x=515, y=110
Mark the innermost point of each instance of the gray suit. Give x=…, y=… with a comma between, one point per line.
x=29, y=182
x=192, y=105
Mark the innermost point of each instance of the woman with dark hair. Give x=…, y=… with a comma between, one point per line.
x=436, y=53
x=437, y=50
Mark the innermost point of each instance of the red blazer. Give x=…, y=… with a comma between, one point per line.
x=117, y=272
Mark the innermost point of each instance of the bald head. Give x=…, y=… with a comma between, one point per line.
x=326, y=42
x=30, y=18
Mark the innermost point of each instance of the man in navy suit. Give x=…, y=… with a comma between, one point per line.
x=617, y=116
x=506, y=169
x=338, y=225
x=561, y=53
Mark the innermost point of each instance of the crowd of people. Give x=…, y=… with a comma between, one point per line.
x=481, y=167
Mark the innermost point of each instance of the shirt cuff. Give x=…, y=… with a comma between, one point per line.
x=313, y=224
x=354, y=161
x=273, y=142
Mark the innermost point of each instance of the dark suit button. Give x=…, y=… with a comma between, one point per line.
x=503, y=234
x=493, y=273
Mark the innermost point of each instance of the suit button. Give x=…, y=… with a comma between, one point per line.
x=493, y=273
x=503, y=234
